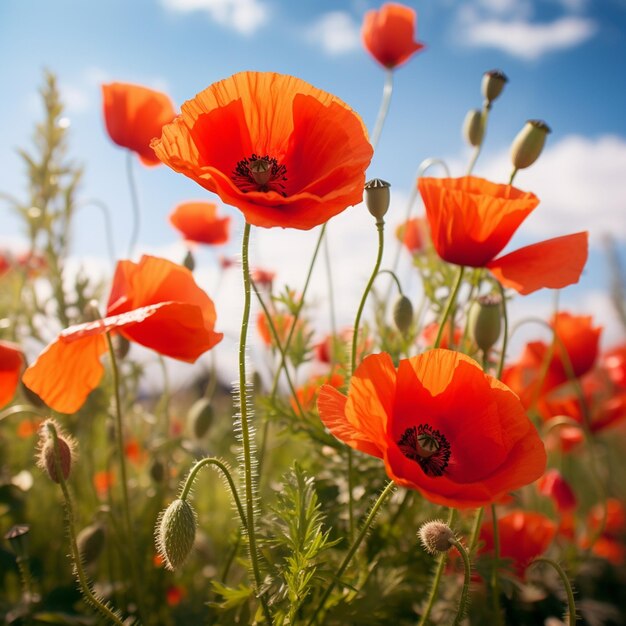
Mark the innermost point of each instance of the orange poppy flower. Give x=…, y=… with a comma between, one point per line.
x=103, y=481
x=411, y=234
x=471, y=220
x=155, y=303
x=523, y=536
x=388, y=34
x=283, y=152
x=282, y=323
x=429, y=333
x=442, y=426
x=134, y=115
x=11, y=364
x=198, y=222
x=307, y=393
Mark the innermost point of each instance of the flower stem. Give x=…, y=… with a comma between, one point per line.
x=505, y=337
x=441, y=562
x=478, y=518
x=134, y=202
x=485, y=116
x=571, y=604
x=384, y=108
x=450, y=305
x=513, y=174
x=85, y=587
x=495, y=587
x=353, y=548
x=245, y=427
x=466, y=581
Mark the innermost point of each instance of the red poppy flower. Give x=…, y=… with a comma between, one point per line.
x=262, y=278
x=5, y=264
x=283, y=152
x=615, y=523
x=307, y=393
x=103, y=481
x=523, y=536
x=441, y=425
x=428, y=336
x=134, y=115
x=412, y=233
x=11, y=364
x=471, y=221
x=388, y=34
x=614, y=362
x=282, y=323
x=155, y=303
x=553, y=485
x=198, y=222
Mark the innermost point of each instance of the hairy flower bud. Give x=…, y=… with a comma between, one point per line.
x=474, y=128
x=485, y=321
x=493, y=84
x=46, y=457
x=90, y=542
x=176, y=533
x=528, y=144
x=403, y=314
x=200, y=417
x=377, y=197
x=17, y=536
x=435, y=536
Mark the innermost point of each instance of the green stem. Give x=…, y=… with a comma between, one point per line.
x=394, y=277
x=85, y=587
x=485, y=116
x=441, y=562
x=134, y=203
x=331, y=297
x=512, y=177
x=353, y=548
x=505, y=337
x=478, y=518
x=571, y=604
x=467, y=571
x=245, y=428
x=384, y=108
x=449, y=305
x=495, y=586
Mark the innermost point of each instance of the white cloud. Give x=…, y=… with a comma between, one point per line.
x=529, y=40
x=336, y=33
x=243, y=16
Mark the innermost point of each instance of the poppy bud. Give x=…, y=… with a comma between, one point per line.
x=377, y=197
x=493, y=84
x=121, y=346
x=176, y=533
x=157, y=471
x=17, y=536
x=435, y=536
x=90, y=542
x=200, y=417
x=528, y=144
x=403, y=314
x=474, y=128
x=46, y=458
x=484, y=321
x=91, y=312
x=189, y=261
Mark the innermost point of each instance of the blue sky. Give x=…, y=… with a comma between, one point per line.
x=563, y=59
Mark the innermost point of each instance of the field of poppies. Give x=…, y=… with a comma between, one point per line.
x=407, y=469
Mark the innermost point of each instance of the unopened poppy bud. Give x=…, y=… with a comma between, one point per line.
x=200, y=417
x=474, y=128
x=435, y=536
x=528, y=144
x=176, y=533
x=90, y=542
x=47, y=457
x=17, y=536
x=403, y=314
x=91, y=312
x=485, y=321
x=493, y=84
x=189, y=261
x=377, y=197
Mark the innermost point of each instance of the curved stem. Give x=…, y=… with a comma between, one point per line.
x=505, y=338
x=353, y=548
x=571, y=604
x=20, y=408
x=108, y=230
x=449, y=305
x=134, y=203
x=513, y=174
x=467, y=572
x=245, y=427
x=394, y=277
x=384, y=108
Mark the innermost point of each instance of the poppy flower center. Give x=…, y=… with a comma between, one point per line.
x=258, y=173
x=427, y=447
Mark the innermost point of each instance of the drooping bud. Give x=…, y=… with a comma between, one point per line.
x=46, y=457
x=528, y=144
x=474, y=128
x=485, y=320
x=200, y=417
x=403, y=314
x=90, y=542
x=435, y=536
x=492, y=85
x=189, y=261
x=17, y=536
x=377, y=197
x=176, y=533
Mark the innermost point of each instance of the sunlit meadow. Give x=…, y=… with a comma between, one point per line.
x=429, y=461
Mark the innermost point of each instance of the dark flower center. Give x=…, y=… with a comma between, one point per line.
x=427, y=447
x=258, y=173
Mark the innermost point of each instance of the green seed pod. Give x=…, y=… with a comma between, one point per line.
x=492, y=85
x=189, y=262
x=176, y=533
x=528, y=144
x=377, y=197
x=200, y=417
x=474, y=128
x=403, y=314
x=90, y=542
x=485, y=321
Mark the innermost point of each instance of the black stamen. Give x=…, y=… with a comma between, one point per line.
x=260, y=174
x=427, y=447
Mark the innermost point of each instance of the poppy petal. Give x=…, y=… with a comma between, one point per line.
x=11, y=364
x=198, y=221
x=554, y=264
